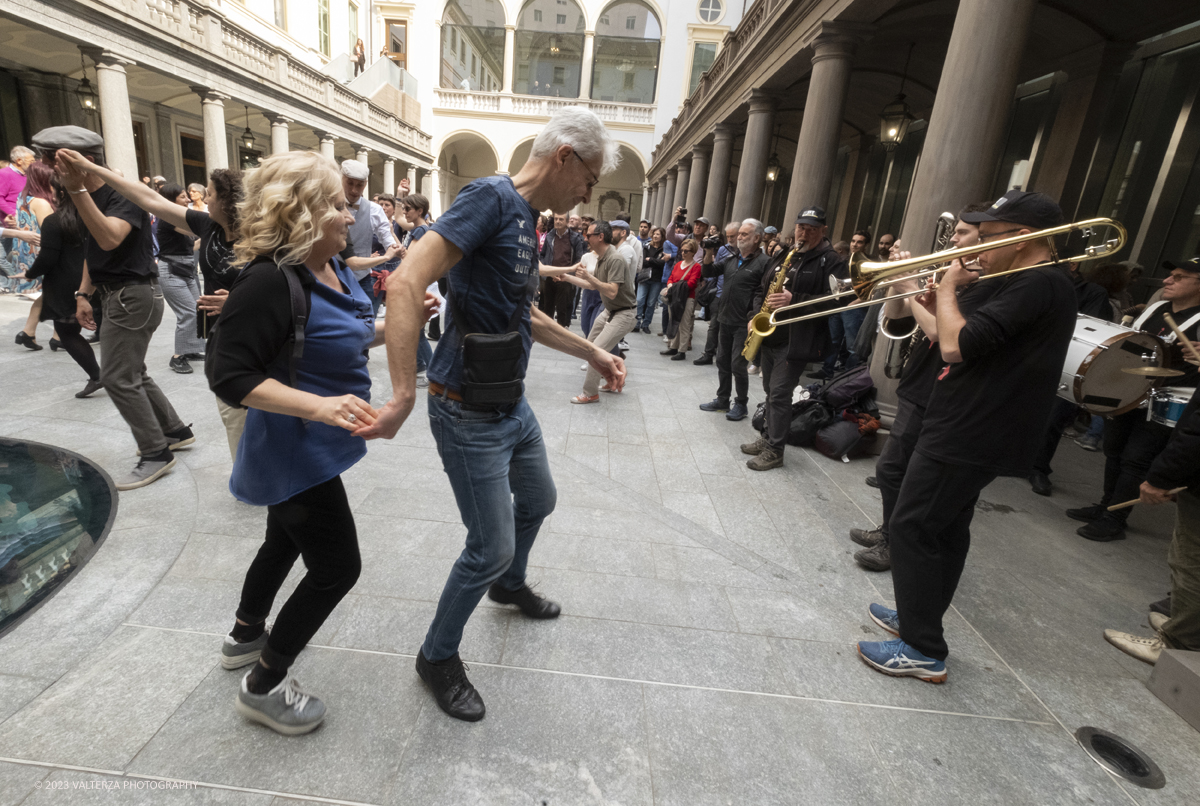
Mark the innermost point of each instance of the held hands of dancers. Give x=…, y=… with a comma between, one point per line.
x=346, y=411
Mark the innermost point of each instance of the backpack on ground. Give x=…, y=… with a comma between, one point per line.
x=808, y=418
x=847, y=388
x=837, y=439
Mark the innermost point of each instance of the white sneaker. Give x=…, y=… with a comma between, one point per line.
x=752, y=369
x=1144, y=649
x=622, y=345
x=1157, y=620
x=583, y=367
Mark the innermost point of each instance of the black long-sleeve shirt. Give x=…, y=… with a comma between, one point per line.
x=62, y=265
x=742, y=276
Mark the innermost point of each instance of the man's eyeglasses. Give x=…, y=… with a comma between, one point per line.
x=1175, y=278
x=984, y=238
x=595, y=179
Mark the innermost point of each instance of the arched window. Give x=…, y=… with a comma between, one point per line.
x=625, y=64
x=549, y=41
x=473, y=45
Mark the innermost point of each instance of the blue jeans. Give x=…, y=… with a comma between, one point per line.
x=497, y=464
x=647, y=302
x=843, y=330
x=1097, y=428
x=592, y=305
x=424, y=352
x=368, y=285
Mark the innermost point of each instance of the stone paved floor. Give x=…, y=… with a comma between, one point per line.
x=704, y=655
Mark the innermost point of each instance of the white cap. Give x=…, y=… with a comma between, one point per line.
x=354, y=169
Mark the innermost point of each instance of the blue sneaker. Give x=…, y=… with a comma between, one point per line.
x=900, y=660
x=885, y=617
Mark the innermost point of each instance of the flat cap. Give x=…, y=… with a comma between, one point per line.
x=354, y=169
x=75, y=138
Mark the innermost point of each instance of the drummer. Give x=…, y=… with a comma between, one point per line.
x=1130, y=441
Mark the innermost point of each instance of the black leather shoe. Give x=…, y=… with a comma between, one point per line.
x=716, y=404
x=55, y=345
x=91, y=388
x=703, y=361
x=1040, y=483
x=25, y=340
x=529, y=602
x=1102, y=530
x=453, y=691
x=679, y=357
x=872, y=482
x=671, y=351
x=1087, y=514
x=819, y=375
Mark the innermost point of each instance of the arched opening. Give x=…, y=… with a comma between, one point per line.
x=465, y=156
x=620, y=190
x=473, y=45
x=625, y=64
x=549, y=43
x=520, y=156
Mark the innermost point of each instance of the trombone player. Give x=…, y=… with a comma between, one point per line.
x=984, y=418
x=784, y=354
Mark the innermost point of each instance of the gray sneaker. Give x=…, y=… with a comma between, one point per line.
x=284, y=709
x=875, y=558
x=235, y=655
x=147, y=471
x=422, y=381
x=867, y=537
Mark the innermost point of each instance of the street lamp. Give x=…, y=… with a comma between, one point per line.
x=773, y=168
x=247, y=135
x=896, y=117
x=84, y=92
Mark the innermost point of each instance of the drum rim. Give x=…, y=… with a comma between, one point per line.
x=1090, y=358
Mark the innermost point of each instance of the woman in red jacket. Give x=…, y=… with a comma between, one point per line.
x=687, y=271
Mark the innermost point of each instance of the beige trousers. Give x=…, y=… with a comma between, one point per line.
x=683, y=337
x=235, y=421
x=607, y=330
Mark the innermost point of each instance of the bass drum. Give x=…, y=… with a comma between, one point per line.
x=1099, y=350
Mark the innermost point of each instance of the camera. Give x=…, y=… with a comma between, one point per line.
x=712, y=242
x=681, y=219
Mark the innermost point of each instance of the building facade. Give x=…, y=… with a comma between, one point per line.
x=180, y=87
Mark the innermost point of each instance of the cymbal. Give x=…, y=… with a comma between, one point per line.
x=1153, y=372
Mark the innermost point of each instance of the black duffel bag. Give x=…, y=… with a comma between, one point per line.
x=808, y=417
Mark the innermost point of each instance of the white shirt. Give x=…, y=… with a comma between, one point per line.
x=369, y=219
x=626, y=252
x=636, y=245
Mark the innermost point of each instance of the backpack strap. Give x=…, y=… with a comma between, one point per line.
x=299, y=307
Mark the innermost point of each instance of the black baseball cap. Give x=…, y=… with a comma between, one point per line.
x=1192, y=265
x=1029, y=209
x=814, y=216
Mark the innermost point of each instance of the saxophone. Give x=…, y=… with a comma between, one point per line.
x=763, y=317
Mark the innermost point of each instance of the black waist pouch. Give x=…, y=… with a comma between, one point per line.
x=491, y=362
x=179, y=266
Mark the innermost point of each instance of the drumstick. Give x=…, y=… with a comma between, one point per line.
x=1115, y=507
x=1191, y=348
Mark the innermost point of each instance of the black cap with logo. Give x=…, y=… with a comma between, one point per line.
x=1192, y=265
x=814, y=216
x=1033, y=210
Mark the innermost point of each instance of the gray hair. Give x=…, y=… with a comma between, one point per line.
x=353, y=169
x=19, y=153
x=733, y=224
x=758, y=226
x=583, y=131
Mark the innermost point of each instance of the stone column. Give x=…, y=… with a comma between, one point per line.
x=412, y=180
x=389, y=175
x=327, y=141
x=756, y=150
x=970, y=114
x=683, y=175
x=718, y=174
x=115, y=118
x=698, y=182
x=664, y=199
x=821, y=128
x=510, y=56
x=216, y=149
x=585, y=71
x=651, y=200
x=668, y=197
x=279, y=134
x=360, y=154
x=431, y=188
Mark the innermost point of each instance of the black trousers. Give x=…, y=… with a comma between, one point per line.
x=77, y=347
x=731, y=366
x=1062, y=413
x=1130, y=445
x=714, y=331
x=930, y=534
x=318, y=526
x=893, y=462
x=779, y=377
x=557, y=300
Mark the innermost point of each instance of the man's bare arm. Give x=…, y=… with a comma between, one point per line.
x=549, y=333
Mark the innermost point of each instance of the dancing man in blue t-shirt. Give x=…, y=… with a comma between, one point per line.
x=489, y=440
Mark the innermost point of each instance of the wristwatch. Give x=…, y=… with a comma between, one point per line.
x=83, y=294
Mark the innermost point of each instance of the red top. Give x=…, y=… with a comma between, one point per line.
x=690, y=275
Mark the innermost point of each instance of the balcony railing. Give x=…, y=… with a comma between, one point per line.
x=200, y=23
x=540, y=106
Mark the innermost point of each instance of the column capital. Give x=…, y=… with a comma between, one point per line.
x=724, y=131
x=672, y=171
x=106, y=58
x=360, y=149
x=277, y=119
x=210, y=95
x=325, y=136
x=389, y=160
x=684, y=164
x=761, y=101
x=839, y=40
x=701, y=150
x=512, y=28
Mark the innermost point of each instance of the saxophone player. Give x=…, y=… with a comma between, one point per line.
x=784, y=354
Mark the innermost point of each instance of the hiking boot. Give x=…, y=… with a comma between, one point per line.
x=453, y=691
x=1103, y=530
x=284, y=709
x=148, y=470
x=716, y=404
x=529, y=602
x=875, y=558
x=767, y=459
x=737, y=412
x=756, y=447
x=1147, y=650
x=235, y=655
x=868, y=538
x=1087, y=514
x=898, y=659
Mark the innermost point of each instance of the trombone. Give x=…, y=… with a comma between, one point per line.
x=870, y=277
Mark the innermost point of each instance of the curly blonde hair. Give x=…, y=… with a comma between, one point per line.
x=289, y=200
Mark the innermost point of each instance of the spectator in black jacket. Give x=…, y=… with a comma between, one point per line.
x=784, y=354
x=1093, y=301
x=561, y=247
x=1177, y=466
x=650, y=279
x=741, y=273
